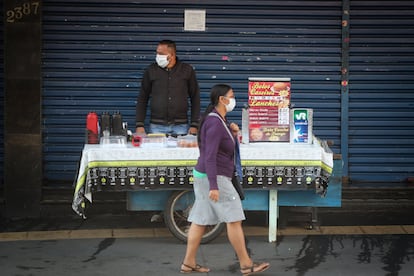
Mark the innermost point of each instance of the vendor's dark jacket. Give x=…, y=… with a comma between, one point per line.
x=168, y=91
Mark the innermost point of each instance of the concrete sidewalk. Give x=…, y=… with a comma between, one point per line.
x=139, y=225
x=252, y=231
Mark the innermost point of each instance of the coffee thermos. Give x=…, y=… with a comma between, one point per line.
x=117, y=128
x=105, y=123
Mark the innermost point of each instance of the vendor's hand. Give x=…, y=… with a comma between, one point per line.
x=192, y=131
x=140, y=130
x=214, y=195
x=234, y=128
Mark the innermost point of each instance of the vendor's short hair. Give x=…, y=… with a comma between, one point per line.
x=169, y=43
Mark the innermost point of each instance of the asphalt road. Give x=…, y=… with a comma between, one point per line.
x=291, y=255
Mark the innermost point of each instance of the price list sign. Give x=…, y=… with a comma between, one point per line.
x=269, y=100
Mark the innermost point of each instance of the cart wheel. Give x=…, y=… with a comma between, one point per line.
x=176, y=213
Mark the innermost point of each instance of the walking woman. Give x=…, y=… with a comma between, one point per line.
x=216, y=200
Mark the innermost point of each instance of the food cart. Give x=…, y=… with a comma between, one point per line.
x=283, y=165
x=161, y=179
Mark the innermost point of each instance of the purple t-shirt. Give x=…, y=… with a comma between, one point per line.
x=216, y=151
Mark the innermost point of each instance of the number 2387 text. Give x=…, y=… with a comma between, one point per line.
x=26, y=9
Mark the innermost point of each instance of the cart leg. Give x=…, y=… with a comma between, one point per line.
x=314, y=223
x=273, y=215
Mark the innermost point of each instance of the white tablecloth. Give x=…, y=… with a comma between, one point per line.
x=262, y=154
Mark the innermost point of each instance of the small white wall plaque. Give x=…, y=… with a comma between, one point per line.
x=194, y=20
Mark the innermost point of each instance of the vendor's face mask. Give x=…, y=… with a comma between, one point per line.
x=230, y=106
x=162, y=60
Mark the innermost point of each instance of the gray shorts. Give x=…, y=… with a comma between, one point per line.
x=207, y=212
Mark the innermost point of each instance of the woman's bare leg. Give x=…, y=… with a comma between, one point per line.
x=236, y=237
x=237, y=240
x=195, y=234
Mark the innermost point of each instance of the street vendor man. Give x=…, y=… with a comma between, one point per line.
x=171, y=88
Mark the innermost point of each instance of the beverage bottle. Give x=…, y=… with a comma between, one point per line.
x=92, y=128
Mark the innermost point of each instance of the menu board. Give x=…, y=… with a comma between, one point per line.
x=269, y=101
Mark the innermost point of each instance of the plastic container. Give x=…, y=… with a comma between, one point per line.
x=187, y=141
x=154, y=140
x=172, y=142
x=114, y=141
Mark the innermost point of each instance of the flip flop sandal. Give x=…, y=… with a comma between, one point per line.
x=197, y=269
x=254, y=269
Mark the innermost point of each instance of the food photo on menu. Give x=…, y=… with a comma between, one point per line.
x=269, y=101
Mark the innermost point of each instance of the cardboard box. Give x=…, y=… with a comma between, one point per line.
x=301, y=125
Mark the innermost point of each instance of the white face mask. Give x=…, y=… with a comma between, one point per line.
x=231, y=105
x=162, y=60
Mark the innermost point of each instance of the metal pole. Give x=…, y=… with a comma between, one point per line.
x=345, y=88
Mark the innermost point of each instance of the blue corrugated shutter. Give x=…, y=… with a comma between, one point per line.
x=95, y=52
x=381, y=107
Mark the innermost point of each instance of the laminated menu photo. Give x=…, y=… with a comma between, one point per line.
x=269, y=100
